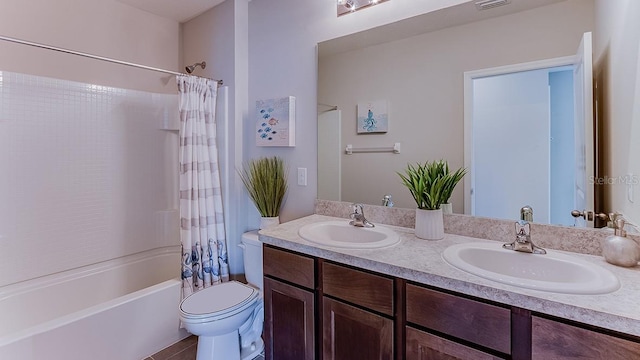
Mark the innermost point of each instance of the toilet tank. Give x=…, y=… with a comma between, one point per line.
x=252, y=248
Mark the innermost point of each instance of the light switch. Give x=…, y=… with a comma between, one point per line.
x=302, y=176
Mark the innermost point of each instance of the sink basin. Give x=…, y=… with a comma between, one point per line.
x=553, y=272
x=341, y=234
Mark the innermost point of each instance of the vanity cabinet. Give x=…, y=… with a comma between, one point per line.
x=320, y=309
x=289, y=305
x=357, y=314
x=556, y=340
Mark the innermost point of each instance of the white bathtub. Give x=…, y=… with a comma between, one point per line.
x=123, y=309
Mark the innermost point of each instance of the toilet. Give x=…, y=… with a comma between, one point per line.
x=228, y=317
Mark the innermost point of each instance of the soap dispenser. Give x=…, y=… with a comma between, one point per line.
x=618, y=249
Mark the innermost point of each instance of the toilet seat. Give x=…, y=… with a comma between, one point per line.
x=218, y=301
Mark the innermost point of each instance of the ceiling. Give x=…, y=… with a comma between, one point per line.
x=179, y=10
x=451, y=16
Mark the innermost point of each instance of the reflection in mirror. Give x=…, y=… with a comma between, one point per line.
x=421, y=77
x=532, y=109
x=540, y=154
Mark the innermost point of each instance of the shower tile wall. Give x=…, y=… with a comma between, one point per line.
x=87, y=173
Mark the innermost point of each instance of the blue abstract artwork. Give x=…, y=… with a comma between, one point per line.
x=275, y=124
x=373, y=117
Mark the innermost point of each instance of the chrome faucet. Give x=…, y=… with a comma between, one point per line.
x=523, y=240
x=386, y=201
x=358, y=218
x=526, y=213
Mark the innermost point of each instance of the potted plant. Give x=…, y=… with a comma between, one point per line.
x=431, y=185
x=266, y=182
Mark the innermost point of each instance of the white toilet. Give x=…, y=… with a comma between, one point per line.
x=228, y=317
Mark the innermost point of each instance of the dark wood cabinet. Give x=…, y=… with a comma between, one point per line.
x=289, y=327
x=357, y=314
x=317, y=309
x=553, y=340
x=289, y=305
x=470, y=320
x=424, y=346
x=372, y=291
x=352, y=333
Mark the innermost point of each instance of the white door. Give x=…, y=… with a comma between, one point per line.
x=585, y=164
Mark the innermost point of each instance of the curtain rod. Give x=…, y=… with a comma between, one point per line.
x=91, y=56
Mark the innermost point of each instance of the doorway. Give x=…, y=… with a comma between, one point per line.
x=523, y=130
x=520, y=170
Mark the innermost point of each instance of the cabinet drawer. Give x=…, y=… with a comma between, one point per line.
x=425, y=346
x=291, y=267
x=555, y=340
x=474, y=321
x=358, y=287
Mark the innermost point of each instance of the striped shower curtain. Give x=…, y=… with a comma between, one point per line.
x=204, y=248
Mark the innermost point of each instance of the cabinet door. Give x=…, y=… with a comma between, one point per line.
x=289, y=326
x=554, y=340
x=425, y=346
x=351, y=333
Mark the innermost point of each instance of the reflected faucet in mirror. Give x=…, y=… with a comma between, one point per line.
x=386, y=201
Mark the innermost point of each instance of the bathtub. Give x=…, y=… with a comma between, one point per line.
x=124, y=309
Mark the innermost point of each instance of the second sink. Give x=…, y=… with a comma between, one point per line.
x=553, y=272
x=341, y=234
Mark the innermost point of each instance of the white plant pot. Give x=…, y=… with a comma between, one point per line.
x=447, y=208
x=429, y=224
x=269, y=222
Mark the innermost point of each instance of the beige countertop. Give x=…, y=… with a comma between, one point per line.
x=421, y=261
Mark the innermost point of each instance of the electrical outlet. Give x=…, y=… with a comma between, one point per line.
x=302, y=176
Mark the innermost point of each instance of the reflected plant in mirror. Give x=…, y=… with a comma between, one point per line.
x=431, y=184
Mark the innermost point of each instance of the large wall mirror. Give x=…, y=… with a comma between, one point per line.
x=416, y=68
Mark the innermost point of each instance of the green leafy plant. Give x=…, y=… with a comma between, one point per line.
x=266, y=182
x=431, y=184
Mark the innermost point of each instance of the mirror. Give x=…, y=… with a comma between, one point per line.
x=416, y=67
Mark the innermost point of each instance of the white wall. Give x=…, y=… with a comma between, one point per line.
x=422, y=78
x=74, y=202
x=105, y=28
x=617, y=63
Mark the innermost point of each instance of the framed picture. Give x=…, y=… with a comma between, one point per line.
x=373, y=117
x=276, y=122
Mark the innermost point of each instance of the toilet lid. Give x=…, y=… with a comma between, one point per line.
x=218, y=299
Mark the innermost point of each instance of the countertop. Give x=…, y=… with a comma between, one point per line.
x=421, y=261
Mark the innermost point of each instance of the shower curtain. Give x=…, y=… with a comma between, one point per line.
x=204, y=248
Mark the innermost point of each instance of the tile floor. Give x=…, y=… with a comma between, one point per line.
x=183, y=350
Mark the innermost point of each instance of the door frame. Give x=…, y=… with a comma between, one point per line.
x=469, y=76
